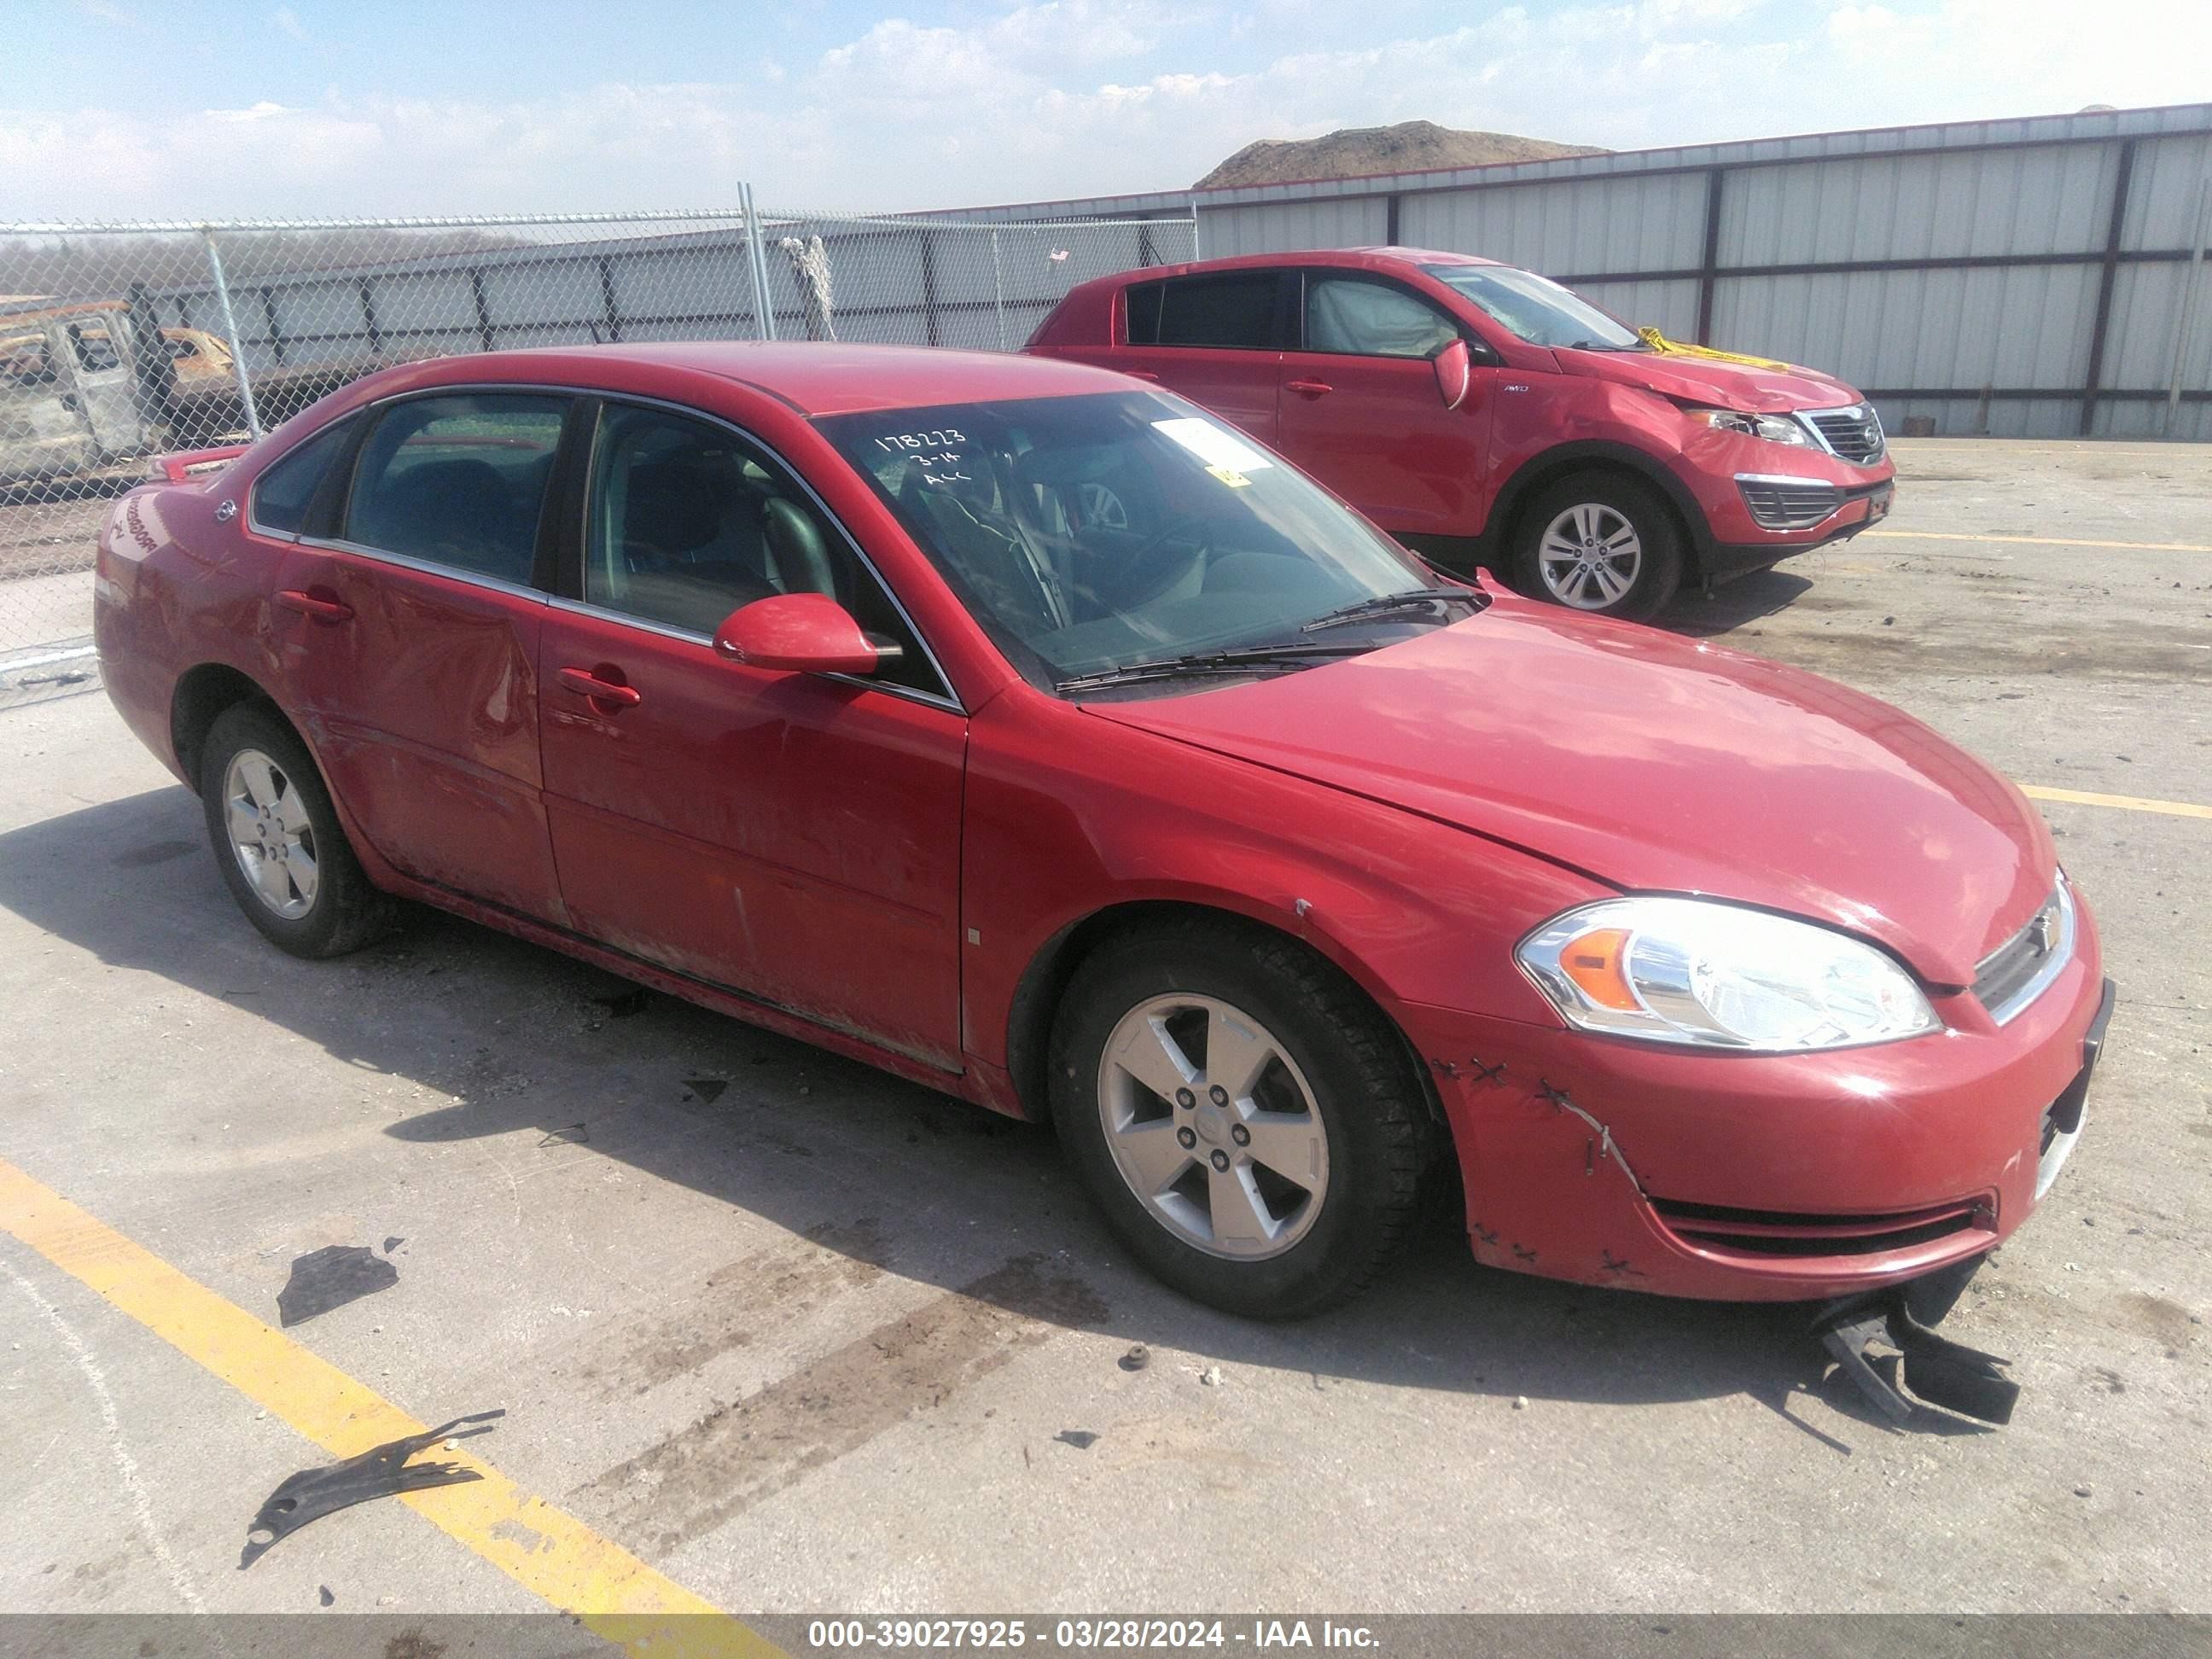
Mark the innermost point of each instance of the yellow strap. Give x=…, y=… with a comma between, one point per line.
x=1658, y=342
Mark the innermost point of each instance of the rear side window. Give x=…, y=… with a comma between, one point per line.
x=1356, y=317
x=1236, y=311
x=1142, y=305
x=284, y=494
x=458, y=481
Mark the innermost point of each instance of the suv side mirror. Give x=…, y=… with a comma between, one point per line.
x=1454, y=373
x=800, y=633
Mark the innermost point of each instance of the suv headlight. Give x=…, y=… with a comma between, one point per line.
x=1775, y=429
x=1707, y=975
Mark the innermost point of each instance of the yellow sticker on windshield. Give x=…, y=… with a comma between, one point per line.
x=1234, y=480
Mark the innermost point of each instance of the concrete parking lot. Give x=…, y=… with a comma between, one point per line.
x=796, y=1336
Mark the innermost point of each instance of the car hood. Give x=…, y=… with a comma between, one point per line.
x=1660, y=764
x=1709, y=380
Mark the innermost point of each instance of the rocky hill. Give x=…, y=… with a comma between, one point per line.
x=1356, y=152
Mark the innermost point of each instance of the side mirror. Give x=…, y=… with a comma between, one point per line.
x=800, y=633
x=1454, y=373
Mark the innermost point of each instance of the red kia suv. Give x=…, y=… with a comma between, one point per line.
x=1483, y=414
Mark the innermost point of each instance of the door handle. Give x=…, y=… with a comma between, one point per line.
x=584, y=683
x=320, y=610
x=1310, y=388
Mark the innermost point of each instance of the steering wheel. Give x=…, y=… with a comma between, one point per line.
x=1156, y=566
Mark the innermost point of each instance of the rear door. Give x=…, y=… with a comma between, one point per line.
x=1360, y=409
x=408, y=639
x=793, y=837
x=96, y=363
x=1215, y=337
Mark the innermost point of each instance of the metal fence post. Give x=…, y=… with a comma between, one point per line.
x=230, y=336
x=2187, y=309
x=764, y=307
x=998, y=287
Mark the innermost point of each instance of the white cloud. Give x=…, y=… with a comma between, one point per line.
x=289, y=21
x=1079, y=97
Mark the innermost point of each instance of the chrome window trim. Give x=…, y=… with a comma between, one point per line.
x=428, y=568
x=949, y=699
x=2053, y=964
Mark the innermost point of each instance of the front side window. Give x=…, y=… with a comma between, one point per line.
x=285, y=494
x=1357, y=317
x=458, y=480
x=1088, y=534
x=1537, y=309
x=689, y=521
x=95, y=352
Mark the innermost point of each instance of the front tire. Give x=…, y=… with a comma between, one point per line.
x=1600, y=542
x=277, y=840
x=1246, y=1120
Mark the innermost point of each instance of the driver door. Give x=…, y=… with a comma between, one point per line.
x=792, y=837
x=1360, y=410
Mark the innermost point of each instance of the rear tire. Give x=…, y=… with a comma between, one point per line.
x=1601, y=542
x=1290, y=1189
x=277, y=840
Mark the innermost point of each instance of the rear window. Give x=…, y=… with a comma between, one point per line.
x=284, y=494
x=1235, y=311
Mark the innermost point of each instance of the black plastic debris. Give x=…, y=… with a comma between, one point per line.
x=1937, y=1371
x=623, y=1004
x=1081, y=1439
x=707, y=1089
x=576, y=1134
x=329, y=1278
x=381, y=1472
x=391, y=1242
x=322, y=1595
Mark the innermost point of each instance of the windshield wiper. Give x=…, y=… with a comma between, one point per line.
x=1388, y=604
x=1210, y=662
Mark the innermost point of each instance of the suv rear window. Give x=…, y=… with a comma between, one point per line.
x=1235, y=310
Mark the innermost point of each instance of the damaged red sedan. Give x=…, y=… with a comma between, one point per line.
x=1030, y=733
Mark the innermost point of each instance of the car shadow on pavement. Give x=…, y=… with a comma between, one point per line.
x=1732, y=605
x=524, y=1042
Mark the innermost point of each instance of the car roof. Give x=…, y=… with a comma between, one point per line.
x=822, y=378
x=1357, y=258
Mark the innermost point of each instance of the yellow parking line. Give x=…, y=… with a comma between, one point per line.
x=547, y=1551
x=2032, y=541
x=2180, y=809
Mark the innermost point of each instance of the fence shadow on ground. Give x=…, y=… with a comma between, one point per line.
x=524, y=1040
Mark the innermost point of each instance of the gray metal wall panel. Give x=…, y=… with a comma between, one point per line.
x=1275, y=228
x=1568, y=229
x=1671, y=308
x=2163, y=198
x=2024, y=326
x=2023, y=417
x=2139, y=348
x=2055, y=200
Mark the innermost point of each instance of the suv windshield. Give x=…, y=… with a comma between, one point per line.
x=1098, y=534
x=1537, y=308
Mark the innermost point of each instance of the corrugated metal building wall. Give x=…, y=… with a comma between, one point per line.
x=2017, y=278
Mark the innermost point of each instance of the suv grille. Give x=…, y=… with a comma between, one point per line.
x=2015, y=973
x=1776, y=1232
x=1855, y=434
x=1789, y=504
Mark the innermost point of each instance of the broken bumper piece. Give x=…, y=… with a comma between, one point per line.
x=1932, y=1370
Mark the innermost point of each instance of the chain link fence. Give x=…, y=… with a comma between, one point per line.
x=119, y=343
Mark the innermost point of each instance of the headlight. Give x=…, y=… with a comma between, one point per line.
x=1708, y=975
x=1775, y=429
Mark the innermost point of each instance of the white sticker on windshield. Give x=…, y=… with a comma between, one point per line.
x=1213, y=446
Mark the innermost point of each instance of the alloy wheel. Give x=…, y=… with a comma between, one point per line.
x=1213, y=1126
x=270, y=834
x=1590, y=556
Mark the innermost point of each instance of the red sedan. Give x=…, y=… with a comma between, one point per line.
x=1030, y=733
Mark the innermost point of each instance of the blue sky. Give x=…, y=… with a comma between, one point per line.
x=400, y=106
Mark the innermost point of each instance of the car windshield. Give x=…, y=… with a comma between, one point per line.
x=1538, y=309
x=1091, y=535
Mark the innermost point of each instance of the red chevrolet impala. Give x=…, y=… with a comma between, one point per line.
x=1027, y=732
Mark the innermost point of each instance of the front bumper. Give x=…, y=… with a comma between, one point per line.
x=1763, y=1177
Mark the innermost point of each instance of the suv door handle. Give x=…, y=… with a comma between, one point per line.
x=320, y=610
x=586, y=684
x=1310, y=388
